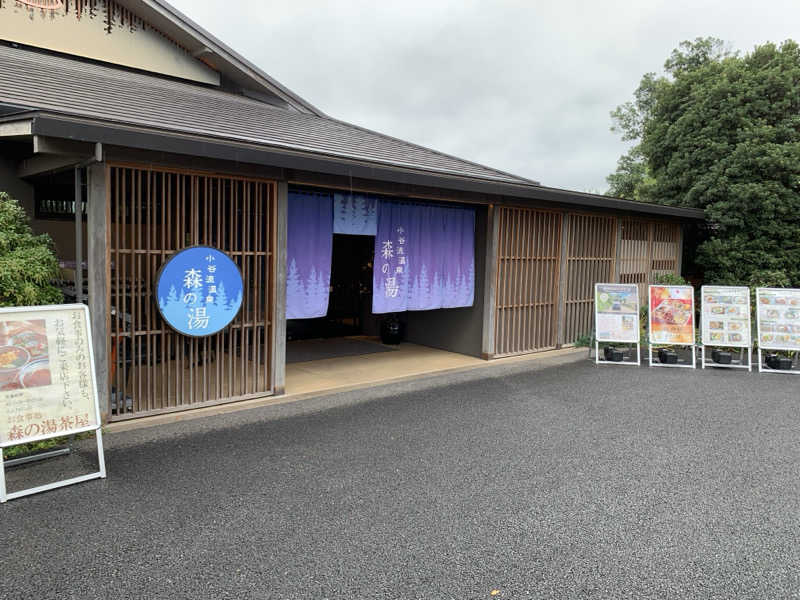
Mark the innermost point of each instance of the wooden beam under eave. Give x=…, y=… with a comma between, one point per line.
x=47, y=163
x=16, y=129
x=49, y=145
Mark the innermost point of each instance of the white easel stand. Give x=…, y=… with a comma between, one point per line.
x=101, y=474
x=693, y=365
x=763, y=369
x=597, y=360
x=734, y=365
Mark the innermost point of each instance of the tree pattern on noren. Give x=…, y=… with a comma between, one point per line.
x=424, y=257
x=309, y=249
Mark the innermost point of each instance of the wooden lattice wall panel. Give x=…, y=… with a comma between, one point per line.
x=590, y=258
x=526, y=300
x=648, y=248
x=152, y=214
x=666, y=248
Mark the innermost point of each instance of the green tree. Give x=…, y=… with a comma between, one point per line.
x=721, y=132
x=27, y=262
x=632, y=179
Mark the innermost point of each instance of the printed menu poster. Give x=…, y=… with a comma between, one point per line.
x=725, y=315
x=46, y=382
x=616, y=312
x=671, y=312
x=778, y=313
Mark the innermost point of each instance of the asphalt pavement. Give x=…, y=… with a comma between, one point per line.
x=567, y=481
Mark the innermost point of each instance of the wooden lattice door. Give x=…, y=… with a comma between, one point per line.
x=152, y=214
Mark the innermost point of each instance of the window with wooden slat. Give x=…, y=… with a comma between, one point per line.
x=526, y=296
x=591, y=258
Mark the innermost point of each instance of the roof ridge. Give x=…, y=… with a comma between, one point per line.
x=205, y=37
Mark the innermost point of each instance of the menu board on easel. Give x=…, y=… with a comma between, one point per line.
x=725, y=316
x=48, y=384
x=616, y=312
x=778, y=318
x=671, y=314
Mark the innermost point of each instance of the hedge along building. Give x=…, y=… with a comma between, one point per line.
x=163, y=138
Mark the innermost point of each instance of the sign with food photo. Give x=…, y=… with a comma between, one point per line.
x=778, y=318
x=725, y=316
x=47, y=385
x=616, y=312
x=671, y=314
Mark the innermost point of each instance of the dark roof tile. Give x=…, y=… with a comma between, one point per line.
x=74, y=87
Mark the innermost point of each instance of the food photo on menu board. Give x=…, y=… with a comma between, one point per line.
x=778, y=318
x=616, y=312
x=24, y=355
x=725, y=316
x=671, y=314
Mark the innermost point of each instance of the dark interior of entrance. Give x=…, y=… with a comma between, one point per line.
x=350, y=301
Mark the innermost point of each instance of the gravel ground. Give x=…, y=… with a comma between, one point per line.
x=568, y=481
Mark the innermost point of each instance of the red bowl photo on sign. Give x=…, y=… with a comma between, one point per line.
x=35, y=374
x=12, y=358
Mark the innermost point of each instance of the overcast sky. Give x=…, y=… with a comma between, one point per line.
x=523, y=86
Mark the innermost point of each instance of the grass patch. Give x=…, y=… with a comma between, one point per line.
x=23, y=450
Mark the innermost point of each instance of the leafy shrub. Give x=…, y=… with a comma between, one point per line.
x=586, y=340
x=28, y=262
x=668, y=279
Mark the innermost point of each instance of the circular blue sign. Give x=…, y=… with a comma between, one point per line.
x=199, y=291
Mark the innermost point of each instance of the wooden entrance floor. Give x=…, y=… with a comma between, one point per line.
x=316, y=378
x=347, y=371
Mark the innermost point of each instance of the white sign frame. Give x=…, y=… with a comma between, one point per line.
x=97, y=428
x=761, y=368
x=638, y=341
x=650, y=342
x=744, y=346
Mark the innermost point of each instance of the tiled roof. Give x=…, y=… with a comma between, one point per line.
x=73, y=87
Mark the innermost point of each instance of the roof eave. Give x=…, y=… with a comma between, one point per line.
x=193, y=145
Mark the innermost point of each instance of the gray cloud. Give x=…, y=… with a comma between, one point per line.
x=525, y=87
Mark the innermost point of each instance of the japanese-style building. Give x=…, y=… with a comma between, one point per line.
x=128, y=133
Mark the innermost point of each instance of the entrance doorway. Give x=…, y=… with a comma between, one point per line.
x=350, y=304
x=349, y=328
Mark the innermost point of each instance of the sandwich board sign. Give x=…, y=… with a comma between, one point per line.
x=725, y=321
x=778, y=319
x=616, y=317
x=671, y=319
x=47, y=382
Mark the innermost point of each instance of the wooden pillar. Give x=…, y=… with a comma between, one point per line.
x=279, y=317
x=97, y=207
x=618, y=255
x=490, y=284
x=78, y=197
x=562, y=282
x=679, y=258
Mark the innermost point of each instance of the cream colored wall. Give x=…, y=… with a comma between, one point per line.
x=62, y=31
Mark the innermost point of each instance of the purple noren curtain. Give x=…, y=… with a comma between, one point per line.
x=424, y=257
x=354, y=214
x=309, y=246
